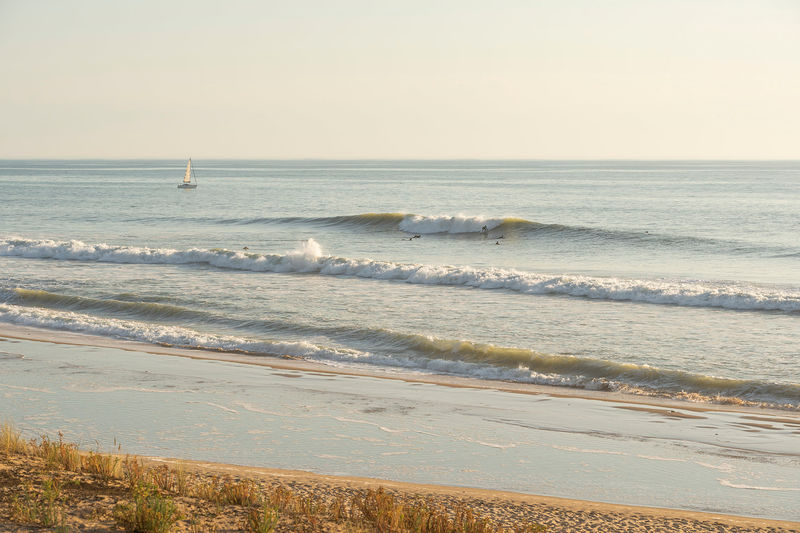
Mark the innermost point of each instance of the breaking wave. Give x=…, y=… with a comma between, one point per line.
x=466, y=225
x=408, y=223
x=309, y=258
x=412, y=352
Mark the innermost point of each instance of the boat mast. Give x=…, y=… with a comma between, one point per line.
x=187, y=176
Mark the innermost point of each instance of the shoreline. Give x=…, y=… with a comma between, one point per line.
x=37, y=334
x=605, y=515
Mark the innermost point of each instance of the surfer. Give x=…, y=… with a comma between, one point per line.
x=484, y=229
x=245, y=248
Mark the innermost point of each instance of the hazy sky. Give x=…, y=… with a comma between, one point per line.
x=538, y=79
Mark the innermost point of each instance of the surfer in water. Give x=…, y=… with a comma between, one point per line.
x=484, y=230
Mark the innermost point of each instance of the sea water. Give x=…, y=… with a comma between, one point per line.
x=667, y=279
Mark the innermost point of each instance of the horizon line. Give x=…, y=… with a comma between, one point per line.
x=499, y=159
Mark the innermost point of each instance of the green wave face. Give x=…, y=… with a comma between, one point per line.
x=392, y=348
x=151, y=310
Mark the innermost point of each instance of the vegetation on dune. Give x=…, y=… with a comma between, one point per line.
x=159, y=499
x=150, y=511
x=40, y=505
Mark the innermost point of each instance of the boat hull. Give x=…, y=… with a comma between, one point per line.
x=187, y=186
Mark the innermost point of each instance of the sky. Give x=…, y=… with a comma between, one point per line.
x=404, y=79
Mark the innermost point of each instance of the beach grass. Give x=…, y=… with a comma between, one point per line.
x=40, y=505
x=11, y=441
x=261, y=519
x=150, y=511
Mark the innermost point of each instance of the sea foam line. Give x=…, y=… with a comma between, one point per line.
x=542, y=369
x=163, y=334
x=308, y=258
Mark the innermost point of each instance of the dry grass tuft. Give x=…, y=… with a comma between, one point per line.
x=11, y=441
x=243, y=493
x=41, y=507
x=163, y=477
x=380, y=510
x=134, y=472
x=58, y=455
x=261, y=519
x=150, y=512
x=107, y=467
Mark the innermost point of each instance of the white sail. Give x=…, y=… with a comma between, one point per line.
x=187, y=178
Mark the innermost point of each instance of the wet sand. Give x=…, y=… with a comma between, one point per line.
x=504, y=508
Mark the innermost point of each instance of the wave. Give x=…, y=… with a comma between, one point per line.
x=148, y=310
x=308, y=258
x=461, y=224
x=408, y=223
x=420, y=224
x=153, y=333
x=520, y=228
x=413, y=352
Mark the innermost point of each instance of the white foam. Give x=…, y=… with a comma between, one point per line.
x=584, y=450
x=725, y=467
x=160, y=334
x=309, y=258
x=103, y=389
x=218, y=406
x=16, y=387
x=184, y=337
x=657, y=458
x=447, y=224
x=491, y=444
x=405, y=361
x=250, y=407
x=726, y=483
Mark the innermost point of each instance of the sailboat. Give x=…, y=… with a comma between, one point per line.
x=187, y=178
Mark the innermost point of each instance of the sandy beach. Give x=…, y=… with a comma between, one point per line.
x=501, y=508
x=89, y=500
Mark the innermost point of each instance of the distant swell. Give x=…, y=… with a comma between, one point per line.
x=310, y=259
x=512, y=226
x=421, y=353
x=409, y=223
x=432, y=224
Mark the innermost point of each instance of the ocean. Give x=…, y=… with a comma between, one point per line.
x=676, y=280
